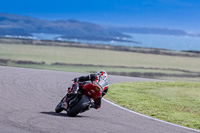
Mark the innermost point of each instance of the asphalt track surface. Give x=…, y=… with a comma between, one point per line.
x=28, y=98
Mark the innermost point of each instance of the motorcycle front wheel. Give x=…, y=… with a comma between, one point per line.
x=59, y=107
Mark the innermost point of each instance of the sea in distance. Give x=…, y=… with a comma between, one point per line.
x=171, y=42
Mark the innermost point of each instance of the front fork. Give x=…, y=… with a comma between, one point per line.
x=71, y=95
x=73, y=89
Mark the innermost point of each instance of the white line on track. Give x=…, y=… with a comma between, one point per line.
x=148, y=116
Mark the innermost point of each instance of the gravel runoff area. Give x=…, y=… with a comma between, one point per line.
x=28, y=98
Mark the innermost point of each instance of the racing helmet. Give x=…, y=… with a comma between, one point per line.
x=102, y=74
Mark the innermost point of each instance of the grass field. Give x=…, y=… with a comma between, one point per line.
x=176, y=102
x=94, y=56
x=51, y=54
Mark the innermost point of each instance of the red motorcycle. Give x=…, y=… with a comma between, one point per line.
x=82, y=99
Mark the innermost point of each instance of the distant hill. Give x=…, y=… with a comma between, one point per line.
x=149, y=30
x=16, y=25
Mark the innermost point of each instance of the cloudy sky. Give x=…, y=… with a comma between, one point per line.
x=179, y=14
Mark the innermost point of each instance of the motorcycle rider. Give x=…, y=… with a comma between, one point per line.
x=100, y=79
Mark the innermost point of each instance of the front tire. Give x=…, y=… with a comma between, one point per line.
x=59, y=108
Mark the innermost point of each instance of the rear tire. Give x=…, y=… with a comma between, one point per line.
x=80, y=105
x=59, y=108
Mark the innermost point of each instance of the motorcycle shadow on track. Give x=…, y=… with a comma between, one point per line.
x=60, y=114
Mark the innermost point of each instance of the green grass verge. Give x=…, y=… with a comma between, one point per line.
x=91, y=69
x=86, y=69
x=176, y=102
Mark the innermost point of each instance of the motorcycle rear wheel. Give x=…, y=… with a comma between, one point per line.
x=80, y=105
